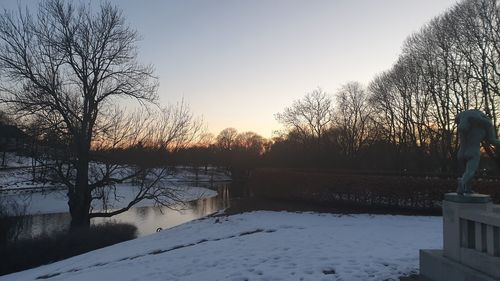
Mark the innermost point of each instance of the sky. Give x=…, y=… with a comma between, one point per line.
x=238, y=63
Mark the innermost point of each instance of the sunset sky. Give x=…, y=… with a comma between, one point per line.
x=237, y=63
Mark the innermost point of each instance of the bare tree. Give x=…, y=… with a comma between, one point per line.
x=309, y=117
x=206, y=140
x=68, y=65
x=226, y=139
x=383, y=102
x=176, y=127
x=251, y=143
x=353, y=117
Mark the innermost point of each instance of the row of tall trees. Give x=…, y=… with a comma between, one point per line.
x=450, y=65
x=325, y=130
x=405, y=118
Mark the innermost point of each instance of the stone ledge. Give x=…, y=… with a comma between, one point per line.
x=435, y=267
x=467, y=198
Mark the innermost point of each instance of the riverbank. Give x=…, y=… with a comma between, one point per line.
x=261, y=245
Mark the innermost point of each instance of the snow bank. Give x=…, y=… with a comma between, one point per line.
x=260, y=246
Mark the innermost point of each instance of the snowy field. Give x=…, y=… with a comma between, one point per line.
x=260, y=246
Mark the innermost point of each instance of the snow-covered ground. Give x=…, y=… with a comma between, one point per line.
x=260, y=246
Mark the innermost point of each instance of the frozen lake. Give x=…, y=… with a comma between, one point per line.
x=147, y=219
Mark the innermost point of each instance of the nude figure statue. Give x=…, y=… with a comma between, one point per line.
x=473, y=128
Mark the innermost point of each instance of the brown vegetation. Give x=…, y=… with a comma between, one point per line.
x=414, y=192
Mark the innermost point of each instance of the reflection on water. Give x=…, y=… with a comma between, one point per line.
x=146, y=219
x=36, y=225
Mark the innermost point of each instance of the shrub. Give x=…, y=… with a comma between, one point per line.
x=27, y=253
x=12, y=220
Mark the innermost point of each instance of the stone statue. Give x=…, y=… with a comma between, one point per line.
x=473, y=128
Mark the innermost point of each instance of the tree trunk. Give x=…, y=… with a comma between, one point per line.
x=80, y=196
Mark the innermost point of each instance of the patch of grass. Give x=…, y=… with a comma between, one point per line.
x=28, y=253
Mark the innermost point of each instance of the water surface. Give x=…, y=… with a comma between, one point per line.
x=146, y=219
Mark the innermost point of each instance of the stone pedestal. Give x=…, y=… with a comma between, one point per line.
x=453, y=229
x=471, y=241
x=435, y=267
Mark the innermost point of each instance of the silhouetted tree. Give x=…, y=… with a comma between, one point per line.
x=67, y=65
x=309, y=118
x=226, y=138
x=352, y=118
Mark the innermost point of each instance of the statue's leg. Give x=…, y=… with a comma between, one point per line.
x=461, y=168
x=460, y=187
x=470, y=170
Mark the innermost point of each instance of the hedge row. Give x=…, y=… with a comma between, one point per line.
x=28, y=253
x=412, y=192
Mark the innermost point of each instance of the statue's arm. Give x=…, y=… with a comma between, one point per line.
x=491, y=136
